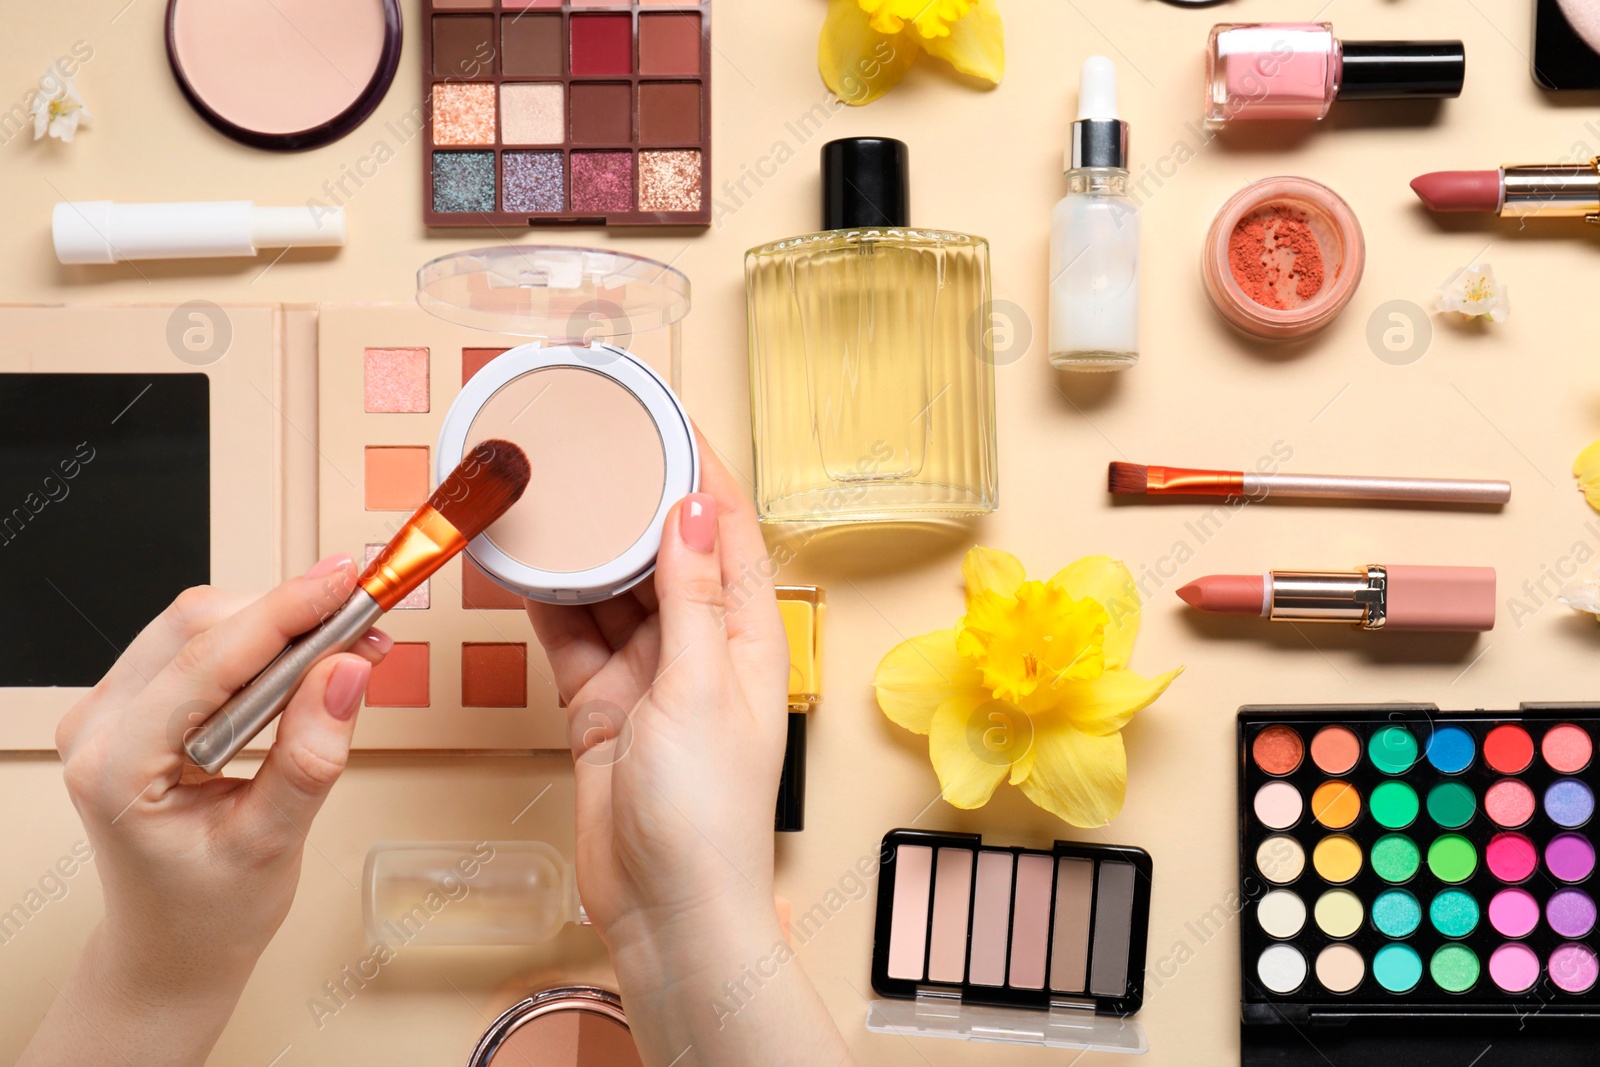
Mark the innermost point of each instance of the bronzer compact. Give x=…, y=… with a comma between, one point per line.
x=611, y=446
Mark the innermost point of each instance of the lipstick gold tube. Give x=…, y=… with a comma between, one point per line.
x=1554, y=190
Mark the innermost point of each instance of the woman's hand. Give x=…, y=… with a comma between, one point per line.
x=677, y=700
x=198, y=873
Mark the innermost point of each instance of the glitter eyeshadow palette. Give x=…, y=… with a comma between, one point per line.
x=1399, y=863
x=1011, y=944
x=587, y=112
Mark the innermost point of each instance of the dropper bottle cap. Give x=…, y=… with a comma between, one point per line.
x=1099, y=138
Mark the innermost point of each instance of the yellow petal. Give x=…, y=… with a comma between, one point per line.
x=1103, y=705
x=858, y=63
x=1108, y=581
x=1586, y=468
x=972, y=746
x=920, y=674
x=1079, y=777
x=976, y=45
x=989, y=570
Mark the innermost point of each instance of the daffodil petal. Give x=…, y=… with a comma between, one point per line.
x=1586, y=468
x=858, y=63
x=1109, y=582
x=989, y=570
x=976, y=44
x=1079, y=777
x=968, y=769
x=1103, y=705
x=920, y=674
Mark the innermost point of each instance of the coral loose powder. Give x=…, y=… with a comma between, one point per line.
x=1283, y=258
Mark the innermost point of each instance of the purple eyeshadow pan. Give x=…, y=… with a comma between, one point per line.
x=1569, y=802
x=602, y=181
x=1570, y=913
x=1574, y=968
x=1570, y=857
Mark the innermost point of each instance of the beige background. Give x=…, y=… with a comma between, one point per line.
x=1515, y=401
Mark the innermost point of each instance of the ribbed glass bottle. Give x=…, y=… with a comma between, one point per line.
x=872, y=376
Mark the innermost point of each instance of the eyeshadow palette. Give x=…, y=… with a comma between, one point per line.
x=984, y=930
x=1401, y=862
x=590, y=111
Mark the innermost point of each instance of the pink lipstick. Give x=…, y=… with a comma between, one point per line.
x=1438, y=599
x=1553, y=190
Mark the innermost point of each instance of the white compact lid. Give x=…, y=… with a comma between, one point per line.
x=555, y=293
x=678, y=445
x=1061, y=1027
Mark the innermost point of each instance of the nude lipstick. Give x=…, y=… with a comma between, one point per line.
x=1436, y=599
x=1551, y=190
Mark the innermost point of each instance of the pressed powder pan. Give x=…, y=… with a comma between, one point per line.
x=284, y=74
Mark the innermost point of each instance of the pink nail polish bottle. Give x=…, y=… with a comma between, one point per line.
x=1296, y=70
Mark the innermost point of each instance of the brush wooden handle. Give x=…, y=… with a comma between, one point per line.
x=247, y=712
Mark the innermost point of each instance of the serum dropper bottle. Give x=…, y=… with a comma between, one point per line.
x=1094, y=238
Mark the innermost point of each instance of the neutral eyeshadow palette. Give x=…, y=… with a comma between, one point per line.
x=1400, y=862
x=1059, y=931
x=585, y=112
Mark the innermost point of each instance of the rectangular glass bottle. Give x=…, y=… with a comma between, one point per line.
x=871, y=363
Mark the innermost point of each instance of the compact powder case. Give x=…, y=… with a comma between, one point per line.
x=284, y=74
x=571, y=1026
x=612, y=450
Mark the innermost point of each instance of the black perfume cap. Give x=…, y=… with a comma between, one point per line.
x=792, y=786
x=866, y=182
x=1390, y=70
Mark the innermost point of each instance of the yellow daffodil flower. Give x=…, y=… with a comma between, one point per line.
x=1032, y=684
x=868, y=45
x=1586, y=468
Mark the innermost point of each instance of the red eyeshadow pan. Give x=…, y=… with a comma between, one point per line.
x=1508, y=749
x=474, y=360
x=494, y=676
x=479, y=592
x=1567, y=748
x=401, y=680
x=602, y=44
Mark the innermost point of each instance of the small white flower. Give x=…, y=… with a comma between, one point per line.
x=1475, y=293
x=1582, y=594
x=58, y=110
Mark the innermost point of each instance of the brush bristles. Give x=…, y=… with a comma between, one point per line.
x=1128, y=479
x=489, y=480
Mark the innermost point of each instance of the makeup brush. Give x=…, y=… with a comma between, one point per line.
x=1136, y=479
x=489, y=480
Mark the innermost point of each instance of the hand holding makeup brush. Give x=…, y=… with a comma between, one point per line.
x=197, y=873
x=677, y=703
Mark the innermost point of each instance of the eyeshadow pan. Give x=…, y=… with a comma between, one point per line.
x=419, y=598
x=1570, y=857
x=494, y=675
x=1395, y=805
x=1069, y=954
x=908, y=932
x=1335, y=749
x=532, y=46
x=669, y=113
x=532, y=113
x=396, y=379
x=1340, y=968
x=479, y=592
x=1567, y=748
x=669, y=181
x=1113, y=929
x=401, y=680
x=1397, y=968
x=474, y=360
x=1454, y=913
x=1509, y=803
x=1281, y=913
x=1396, y=913
x=1569, y=802
x=669, y=44
x=1513, y=912
x=1335, y=804
x=952, y=899
x=991, y=919
x=1454, y=968
x=602, y=44
x=1337, y=859
x=1278, y=805
x=463, y=182
x=463, y=113
x=1393, y=749
x=1280, y=859
x=463, y=46
x=534, y=182
x=602, y=113
x=1574, y=968
x=397, y=477
x=1339, y=913
x=1281, y=968
x=1511, y=857
x=1514, y=967
x=1450, y=749
x=1508, y=749
x=1395, y=858
x=1570, y=913
x=1278, y=750
x=1451, y=805
x=1030, y=926
x=602, y=181
x=1452, y=858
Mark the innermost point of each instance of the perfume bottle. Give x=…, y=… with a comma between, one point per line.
x=1296, y=70
x=1094, y=237
x=871, y=357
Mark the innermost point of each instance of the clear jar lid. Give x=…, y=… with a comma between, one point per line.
x=554, y=293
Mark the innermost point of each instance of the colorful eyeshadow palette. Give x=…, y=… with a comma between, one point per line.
x=587, y=112
x=980, y=927
x=1398, y=861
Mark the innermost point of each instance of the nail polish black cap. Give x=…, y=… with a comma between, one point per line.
x=866, y=183
x=792, y=786
x=1390, y=70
